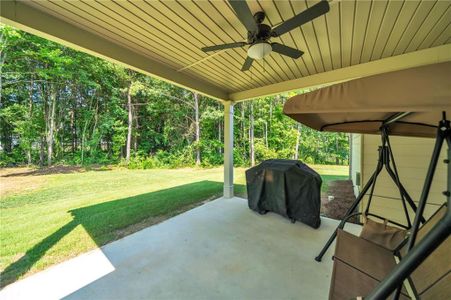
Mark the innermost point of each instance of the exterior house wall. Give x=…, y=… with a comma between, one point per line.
x=356, y=161
x=412, y=157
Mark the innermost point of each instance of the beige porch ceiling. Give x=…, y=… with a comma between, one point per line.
x=161, y=38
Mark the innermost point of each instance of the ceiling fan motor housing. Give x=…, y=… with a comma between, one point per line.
x=263, y=34
x=259, y=17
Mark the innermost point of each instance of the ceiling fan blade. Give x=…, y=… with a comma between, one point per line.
x=247, y=64
x=244, y=14
x=285, y=50
x=306, y=16
x=223, y=46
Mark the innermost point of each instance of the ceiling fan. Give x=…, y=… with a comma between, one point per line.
x=259, y=34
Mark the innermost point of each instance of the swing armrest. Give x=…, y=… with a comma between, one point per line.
x=345, y=220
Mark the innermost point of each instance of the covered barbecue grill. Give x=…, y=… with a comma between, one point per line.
x=286, y=187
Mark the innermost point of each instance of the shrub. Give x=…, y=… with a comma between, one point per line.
x=142, y=162
x=262, y=153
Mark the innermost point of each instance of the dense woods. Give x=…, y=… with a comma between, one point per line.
x=62, y=106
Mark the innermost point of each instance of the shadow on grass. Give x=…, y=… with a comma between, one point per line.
x=109, y=221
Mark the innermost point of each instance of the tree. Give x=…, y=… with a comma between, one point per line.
x=197, y=126
x=58, y=105
x=130, y=121
x=298, y=139
x=251, y=135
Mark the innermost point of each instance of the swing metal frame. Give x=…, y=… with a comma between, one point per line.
x=418, y=252
x=386, y=161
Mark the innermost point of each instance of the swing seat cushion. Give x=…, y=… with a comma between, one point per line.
x=359, y=265
x=382, y=234
x=364, y=255
x=351, y=283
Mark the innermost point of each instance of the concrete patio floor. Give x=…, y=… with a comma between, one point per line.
x=220, y=250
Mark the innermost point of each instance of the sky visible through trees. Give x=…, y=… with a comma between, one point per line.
x=60, y=106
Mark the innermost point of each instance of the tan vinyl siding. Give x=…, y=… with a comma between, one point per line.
x=412, y=157
x=356, y=160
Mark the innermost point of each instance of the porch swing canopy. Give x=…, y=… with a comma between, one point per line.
x=362, y=105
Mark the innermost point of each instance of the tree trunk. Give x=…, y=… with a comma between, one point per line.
x=82, y=145
x=51, y=127
x=29, y=155
x=59, y=136
x=337, y=159
x=130, y=122
x=83, y=135
x=30, y=115
x=220, y=135
x=135, y=140
x=93, y=148
x=72, y=129
x=41, y=151
x=77, y=141
x=298, y=141
x=109, y=146
x=251, y=136
x=197, y=125
x=243, y=129
x=266, y=134
x=271, y=103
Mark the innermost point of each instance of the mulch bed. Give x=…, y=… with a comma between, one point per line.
x=343, y=197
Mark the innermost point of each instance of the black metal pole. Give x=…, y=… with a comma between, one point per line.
x=385, y=219
x=439, y=233
x=350, y=211
x=406, y=195
x=396, y=117
x=380, y=165
x=384, y=158
x=411, y=242
x=396, y=177
x=442, y=131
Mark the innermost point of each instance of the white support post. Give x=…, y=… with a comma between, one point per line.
x=228, y=149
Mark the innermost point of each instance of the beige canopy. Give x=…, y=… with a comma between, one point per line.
x=361, y=105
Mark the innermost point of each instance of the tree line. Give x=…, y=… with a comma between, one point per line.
x=67, y=107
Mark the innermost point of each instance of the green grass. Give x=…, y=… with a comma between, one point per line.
x=46, y=219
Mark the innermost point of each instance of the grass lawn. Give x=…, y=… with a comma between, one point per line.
x=48, y=217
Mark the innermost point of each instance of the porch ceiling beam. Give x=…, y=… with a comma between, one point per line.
x=28, y=18
x=37, y=22
x=389, y=64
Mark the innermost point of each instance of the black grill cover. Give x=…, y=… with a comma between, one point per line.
x=286, y=187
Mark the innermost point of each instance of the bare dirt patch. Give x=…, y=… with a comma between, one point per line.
x=18, y=172
x=25, y=179
x=18, y=184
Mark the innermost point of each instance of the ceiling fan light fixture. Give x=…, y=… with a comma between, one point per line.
x=259, y=50
x=259, y=33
